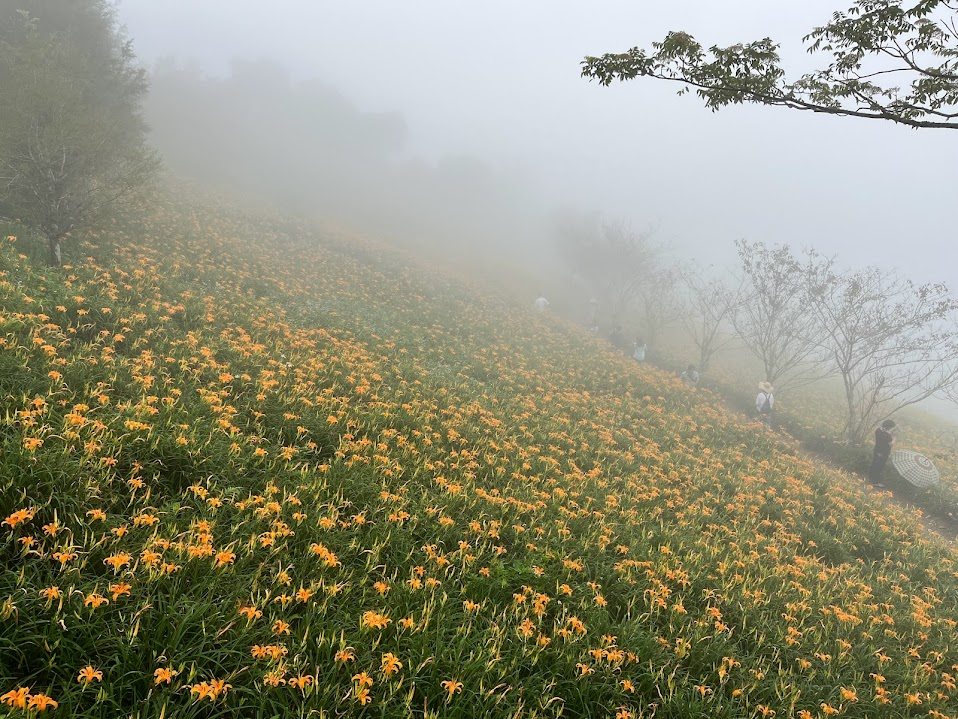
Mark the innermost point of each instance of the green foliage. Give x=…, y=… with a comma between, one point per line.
x=890, y=60
x=72, y=142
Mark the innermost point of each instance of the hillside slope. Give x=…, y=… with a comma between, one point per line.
x=250, y=471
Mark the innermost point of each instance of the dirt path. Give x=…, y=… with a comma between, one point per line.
x=933, y=525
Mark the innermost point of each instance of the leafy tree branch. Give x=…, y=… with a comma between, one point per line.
x=889, y=60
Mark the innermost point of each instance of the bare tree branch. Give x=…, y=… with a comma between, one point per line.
x=773, y=321
x=710, y=307
x=886, y=339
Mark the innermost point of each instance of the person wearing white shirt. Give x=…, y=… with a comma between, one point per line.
x=639, y=350
x=765, y=402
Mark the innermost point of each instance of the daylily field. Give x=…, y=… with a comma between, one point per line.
x=815, y=414
x=251, y=471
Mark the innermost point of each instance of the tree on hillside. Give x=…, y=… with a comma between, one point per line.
x=613, y=260
x=892, y=342
x=661, y=302
x=774, y=321
x=894, y=60
x=72, y=142
x=710, y=306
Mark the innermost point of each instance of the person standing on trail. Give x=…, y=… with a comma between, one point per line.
x=617, y=338
x=541, y=304
x=765, y=403
x=639, y=350
x=884, y=438
x=594, y=316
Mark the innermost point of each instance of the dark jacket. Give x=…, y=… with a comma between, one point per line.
x=883, y=441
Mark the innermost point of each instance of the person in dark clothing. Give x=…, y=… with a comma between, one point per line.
x=617, y=338
x=883, y=443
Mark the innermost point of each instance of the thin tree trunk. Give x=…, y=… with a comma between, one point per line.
x=853, y=425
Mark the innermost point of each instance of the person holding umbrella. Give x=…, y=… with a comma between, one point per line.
x=883, y=442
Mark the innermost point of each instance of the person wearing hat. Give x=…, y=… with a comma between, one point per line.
x=765, y=402
x=883, y=442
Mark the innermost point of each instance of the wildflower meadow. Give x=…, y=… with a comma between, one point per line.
x=248, y=469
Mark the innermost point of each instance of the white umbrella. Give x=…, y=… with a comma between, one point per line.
x=915, y=468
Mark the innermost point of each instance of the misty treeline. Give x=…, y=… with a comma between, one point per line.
x=306, y=146
x=891, y=343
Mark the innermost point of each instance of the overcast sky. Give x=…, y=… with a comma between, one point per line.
x=500, y=79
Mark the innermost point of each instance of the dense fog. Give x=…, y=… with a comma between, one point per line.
x=306, y=146
x=470, y=125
